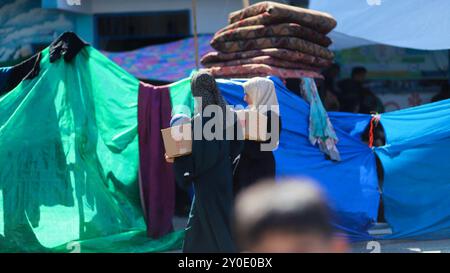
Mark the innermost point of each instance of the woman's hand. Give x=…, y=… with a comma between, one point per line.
x=168, y=159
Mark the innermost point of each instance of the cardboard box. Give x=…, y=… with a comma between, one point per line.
x=254, y=124
x=177, y=140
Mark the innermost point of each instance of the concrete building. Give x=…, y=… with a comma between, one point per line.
x=115, y=25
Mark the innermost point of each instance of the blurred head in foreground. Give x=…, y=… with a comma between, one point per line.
x=289, y=216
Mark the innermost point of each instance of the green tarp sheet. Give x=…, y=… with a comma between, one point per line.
x=69, y=161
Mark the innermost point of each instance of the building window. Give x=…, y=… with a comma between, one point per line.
x=128, y=31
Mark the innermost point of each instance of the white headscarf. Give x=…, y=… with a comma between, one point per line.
x=261, y=91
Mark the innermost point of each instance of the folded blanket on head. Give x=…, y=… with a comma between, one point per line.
x=279, y=53
x=276, y=12
x=272, y=39
x=259, y=31
x=266, y=60
x=277, y=42
x=259, y=70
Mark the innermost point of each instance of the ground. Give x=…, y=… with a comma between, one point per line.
x=399, y=246
x=383, y=246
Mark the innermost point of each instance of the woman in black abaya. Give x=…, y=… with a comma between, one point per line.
x=209, y=168
x=255, y=163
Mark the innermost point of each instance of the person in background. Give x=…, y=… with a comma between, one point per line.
x=370, y=103
x=254, y=162
x=293, y=85
x=351, y=90
x=443, y=94
x=329, y=99
x=285, y=217
x=328, y=88
x=182, y=192
x=355, y=97
x=331, y=102
x=209, y=169
x=330, y=75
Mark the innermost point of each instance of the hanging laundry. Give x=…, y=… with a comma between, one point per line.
x=10, y=77
x=321, y=130
x=69, y=160
x=157, y=104
x=67, y=46
x=157, y=181
x=4, y=75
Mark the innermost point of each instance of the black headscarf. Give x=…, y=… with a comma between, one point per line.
x=203, y=85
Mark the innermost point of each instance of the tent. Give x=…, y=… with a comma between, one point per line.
x=157, y=62
x=398, y=23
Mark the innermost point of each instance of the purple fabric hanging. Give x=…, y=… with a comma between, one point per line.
x=156, y=179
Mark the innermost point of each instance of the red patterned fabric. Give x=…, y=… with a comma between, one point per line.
x=259, y=31
x=279, y=53
x=262, y=70
x=272, y=39
x=266, y=60
x=319, y=21
x=276, y=42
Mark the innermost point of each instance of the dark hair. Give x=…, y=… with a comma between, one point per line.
x=335, y=66
x=358, y=70
x=291, y=207
x=445, y=87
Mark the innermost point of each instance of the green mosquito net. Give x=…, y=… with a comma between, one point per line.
x=69, y=161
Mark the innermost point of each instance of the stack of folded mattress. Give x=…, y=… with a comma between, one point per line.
x=272, y=39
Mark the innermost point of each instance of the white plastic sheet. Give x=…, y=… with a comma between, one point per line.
x=418, y=24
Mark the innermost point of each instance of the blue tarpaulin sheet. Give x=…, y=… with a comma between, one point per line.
x=415, y=161
x=351, y=184
x=416, y=165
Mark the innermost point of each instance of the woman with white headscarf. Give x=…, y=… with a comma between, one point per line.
x=256, y=163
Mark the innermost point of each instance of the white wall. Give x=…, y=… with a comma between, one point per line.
x=211, y=14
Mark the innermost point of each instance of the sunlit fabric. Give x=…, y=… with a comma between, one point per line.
x=69, y=160
x=414, y=24
x=416, y=170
